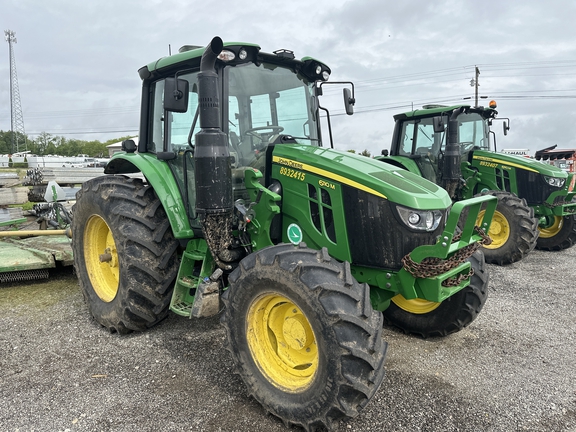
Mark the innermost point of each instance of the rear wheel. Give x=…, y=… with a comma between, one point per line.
x=514, y=230
x=124, y=253
x=303, y=335
x=429, y=319
x=558, y=234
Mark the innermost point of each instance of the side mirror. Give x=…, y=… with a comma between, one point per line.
x=349, y=101
x=176, y=95
x=506, y=126
x=438, y=125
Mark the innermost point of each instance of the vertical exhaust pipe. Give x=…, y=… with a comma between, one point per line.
x=212, y=161
x=211, y=154
x=452, y=173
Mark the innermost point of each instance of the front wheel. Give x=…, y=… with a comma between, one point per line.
x=559, y=234
x=429, y=319
x=514, y=230
x=303, y=335
x=124, y=253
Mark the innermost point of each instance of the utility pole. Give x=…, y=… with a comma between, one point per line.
x=474, y=83
x=17, y=121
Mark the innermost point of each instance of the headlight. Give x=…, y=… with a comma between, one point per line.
x=555, y=181
x=423, y=220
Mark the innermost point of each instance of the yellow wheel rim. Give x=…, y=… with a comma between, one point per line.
x=282, y=342
x=101, y=258
x=415, y=306
x=499, y=229
x=553, y=229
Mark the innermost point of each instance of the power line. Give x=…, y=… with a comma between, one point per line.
x=87, y=132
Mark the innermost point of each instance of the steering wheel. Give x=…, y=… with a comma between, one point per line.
x=255, y=132
x=466, y=146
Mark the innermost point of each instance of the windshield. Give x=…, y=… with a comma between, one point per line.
x=267, y=100
x=257, y=102
x=420, y=138
x=473, y=131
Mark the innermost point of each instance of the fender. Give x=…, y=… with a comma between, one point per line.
x=160, y=177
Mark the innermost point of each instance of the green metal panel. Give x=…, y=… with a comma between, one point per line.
x=438, y=110
x=401, y=161
x=190, y=55
x=162, y=180
x=402, y=282
x=506, y=161
x=34, y=253
x=370, y=175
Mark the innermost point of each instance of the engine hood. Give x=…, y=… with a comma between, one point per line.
x=392, y=183
x=519, y=162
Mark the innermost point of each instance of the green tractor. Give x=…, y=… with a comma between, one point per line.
x=230, y=197
x=450, y=146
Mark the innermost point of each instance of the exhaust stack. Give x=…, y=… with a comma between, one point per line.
x=212, y=161
x=211, y=155
x=451, y=173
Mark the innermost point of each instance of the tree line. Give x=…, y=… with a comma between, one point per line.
x=48, y=144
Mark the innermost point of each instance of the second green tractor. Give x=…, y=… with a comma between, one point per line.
x=451, y=146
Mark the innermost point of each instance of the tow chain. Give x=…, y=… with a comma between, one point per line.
x=431, y=267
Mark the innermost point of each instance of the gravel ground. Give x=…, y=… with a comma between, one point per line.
x=512, y=369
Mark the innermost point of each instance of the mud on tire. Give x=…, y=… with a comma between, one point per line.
x=303, y=335
x=124, y=253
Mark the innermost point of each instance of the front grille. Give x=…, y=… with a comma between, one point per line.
x=532, y=187
x=376, y=237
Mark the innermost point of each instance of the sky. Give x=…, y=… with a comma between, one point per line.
x=77, y=61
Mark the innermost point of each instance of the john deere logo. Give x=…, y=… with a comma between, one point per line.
x=294, y=234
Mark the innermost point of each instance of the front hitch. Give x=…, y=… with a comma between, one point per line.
x=436, y=272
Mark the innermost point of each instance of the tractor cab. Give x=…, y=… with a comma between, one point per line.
x=423, y=138
x=261, y=102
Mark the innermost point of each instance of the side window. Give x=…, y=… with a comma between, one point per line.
x=181, y=124
x=170, y=126
x=407, y=138
x=157, y=122
x=425, y=138
x=175, y=129
x=233, y=115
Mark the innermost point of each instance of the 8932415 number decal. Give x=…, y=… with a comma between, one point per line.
x=289, y=172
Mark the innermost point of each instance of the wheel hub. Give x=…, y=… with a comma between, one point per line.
x=294, y=332
x=101, y=258
x=282, y=342
x=499, y=229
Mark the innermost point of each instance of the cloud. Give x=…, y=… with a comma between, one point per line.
x=77, y=61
